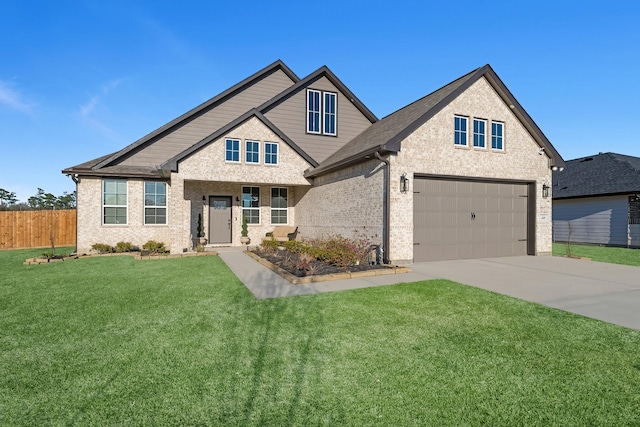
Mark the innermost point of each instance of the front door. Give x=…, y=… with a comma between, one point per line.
x=219, y=219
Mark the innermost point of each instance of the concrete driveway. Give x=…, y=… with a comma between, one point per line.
x=602, y=291
x=608, y=292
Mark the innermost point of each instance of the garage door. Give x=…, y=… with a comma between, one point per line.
x=468, y=219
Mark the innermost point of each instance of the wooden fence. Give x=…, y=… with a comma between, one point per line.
x=32, y=229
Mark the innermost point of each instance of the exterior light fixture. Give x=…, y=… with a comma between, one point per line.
x=204, y=200
x=545, y=190
x=404, y=183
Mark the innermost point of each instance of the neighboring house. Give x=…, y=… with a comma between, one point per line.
x=598, y=197
x=456, y=174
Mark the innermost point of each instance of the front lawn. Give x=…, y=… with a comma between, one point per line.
x=112, y=341
x=600, y=253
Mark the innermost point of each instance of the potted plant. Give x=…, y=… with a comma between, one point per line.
x=244, y=239
x=201, y=239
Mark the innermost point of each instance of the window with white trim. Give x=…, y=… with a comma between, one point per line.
x=479, y=132
x=322, y=112
x=252, y=151
x=155, y=203
x=330, y=113
x=232, y=150
x=279, y=205
x=114, y=201
x=497, y=135
x=460, y=130
x=251, y=204
x=313, y=111
x=271, y=153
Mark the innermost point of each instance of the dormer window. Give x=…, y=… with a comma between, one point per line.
x=322, y=112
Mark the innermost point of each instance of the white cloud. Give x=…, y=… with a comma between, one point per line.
x=87, y=110
x=12, y=98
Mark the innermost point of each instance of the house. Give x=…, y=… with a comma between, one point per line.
x=596, y=200
x=457, y=174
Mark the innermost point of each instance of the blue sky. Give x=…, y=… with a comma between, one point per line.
x=80, y=79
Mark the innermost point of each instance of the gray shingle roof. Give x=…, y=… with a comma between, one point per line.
x=602, y=174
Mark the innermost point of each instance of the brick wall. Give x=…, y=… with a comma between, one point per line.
x=430, y=150
x=348, y=202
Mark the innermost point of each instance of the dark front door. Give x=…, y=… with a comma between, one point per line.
x=219, y=219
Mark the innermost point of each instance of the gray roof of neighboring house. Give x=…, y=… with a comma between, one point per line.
x=386, y=135
x=598, y=175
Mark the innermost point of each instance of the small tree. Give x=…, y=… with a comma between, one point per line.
x=244, y=232
x=569, y=239
x=200, y=230
x=53, y=234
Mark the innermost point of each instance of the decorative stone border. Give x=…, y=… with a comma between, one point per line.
x=135, y=255
x=295, y=280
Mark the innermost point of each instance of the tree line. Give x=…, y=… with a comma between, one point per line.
x=40, y=201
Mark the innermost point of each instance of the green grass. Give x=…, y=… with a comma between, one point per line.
x=112, y=341
x=600, y=253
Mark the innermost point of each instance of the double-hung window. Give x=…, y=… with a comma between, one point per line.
x=497, y=136
x=322, y=112
x=279, y=205
x=114, y=202
x=251, y=204
x=460, y=130
x=232, y=150
x=479, y=132
x=155, y=203
x=270, y=153
x=252, y=151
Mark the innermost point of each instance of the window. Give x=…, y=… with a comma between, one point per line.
x=155, y=203
x=252, y=152
x=114, y=201
x=329, y=113
x=279, y=206
x=460, y=130
x=496, y=135
x=322, y=111
x=313, y=111
x=232, y=152
x=270, y=153
x=251, y=204
x=479, y=132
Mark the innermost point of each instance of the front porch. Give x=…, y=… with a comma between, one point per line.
x=221, y=206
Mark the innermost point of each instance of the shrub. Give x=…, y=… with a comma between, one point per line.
x=102, y=248
x=154, y=247
x=124, y=247
x=269, y=245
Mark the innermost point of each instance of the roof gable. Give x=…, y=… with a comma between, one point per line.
x=199, y=111
x=598, y=175
x=387, y=134
x=172, y=164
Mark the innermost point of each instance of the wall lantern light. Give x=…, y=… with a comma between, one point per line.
x=404, y=183
x=545, y=190
x=204, y=200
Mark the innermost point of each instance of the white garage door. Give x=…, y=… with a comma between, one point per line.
x=468, y=219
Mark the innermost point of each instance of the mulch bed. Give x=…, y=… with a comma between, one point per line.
x=288, y=261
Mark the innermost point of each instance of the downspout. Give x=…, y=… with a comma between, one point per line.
x=387, y=207
x=74, y=178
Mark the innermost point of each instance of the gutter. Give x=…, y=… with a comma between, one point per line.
x=387, y=205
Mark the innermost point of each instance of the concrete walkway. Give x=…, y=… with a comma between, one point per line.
x=607, y=292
